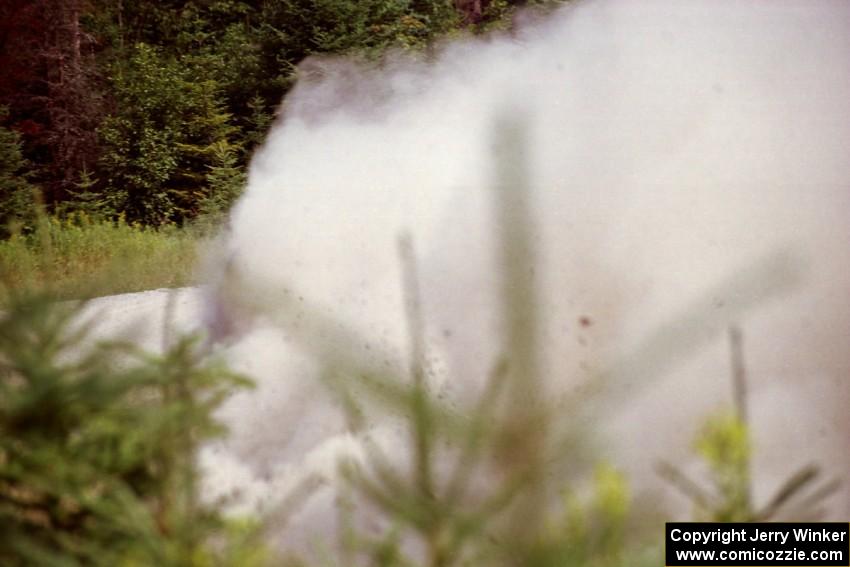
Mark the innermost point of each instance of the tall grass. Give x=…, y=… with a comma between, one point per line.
x=78, y=257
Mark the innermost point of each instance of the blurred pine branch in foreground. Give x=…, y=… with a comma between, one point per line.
x=97, y=447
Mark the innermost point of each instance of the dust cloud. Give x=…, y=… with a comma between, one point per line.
x=687, y=166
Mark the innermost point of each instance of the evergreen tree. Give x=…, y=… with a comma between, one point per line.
x=16, y=193
x=161, y=141
x=225, y=180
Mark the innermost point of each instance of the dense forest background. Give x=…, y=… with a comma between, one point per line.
x=149, y=111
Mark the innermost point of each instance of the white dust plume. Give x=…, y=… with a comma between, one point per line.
x=688, y=170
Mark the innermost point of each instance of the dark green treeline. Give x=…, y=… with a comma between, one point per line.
x=150, y=109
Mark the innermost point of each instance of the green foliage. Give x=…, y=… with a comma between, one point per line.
x=162, y=139
x=225, y=180
x=724, y=444
x=85, y=199
x=498, y=13
x=16, y=193
x=293, y=29
x=259, y=120
x=97, y=444
x=79, y=257
x=189, y=79
x=591, y=530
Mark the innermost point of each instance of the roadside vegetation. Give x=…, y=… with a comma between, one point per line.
x=76, y=257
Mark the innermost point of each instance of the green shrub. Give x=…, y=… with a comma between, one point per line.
x=97, y=447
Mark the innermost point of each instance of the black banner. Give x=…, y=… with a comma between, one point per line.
x=758, y=544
